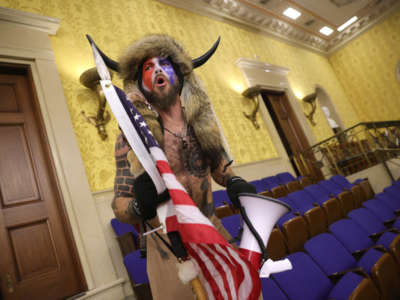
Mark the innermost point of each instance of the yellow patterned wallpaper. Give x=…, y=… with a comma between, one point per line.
x=366, y=70
x=114, y=24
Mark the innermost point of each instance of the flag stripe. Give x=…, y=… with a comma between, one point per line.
x=207, y=270
x=231, y=275
x=251, y=282
x=223, y=270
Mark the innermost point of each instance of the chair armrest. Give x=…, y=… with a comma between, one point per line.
x=127, y=243
x=377, y=235
x=389, y=223
x=357, y=254
x=335, y=277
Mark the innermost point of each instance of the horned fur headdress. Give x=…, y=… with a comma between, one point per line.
x=197, y=106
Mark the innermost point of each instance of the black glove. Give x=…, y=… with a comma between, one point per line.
x=146, y=197
x=237, y=185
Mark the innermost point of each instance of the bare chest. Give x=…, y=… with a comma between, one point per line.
x=189, y=165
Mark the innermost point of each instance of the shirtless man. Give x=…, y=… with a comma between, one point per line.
x=178, y=113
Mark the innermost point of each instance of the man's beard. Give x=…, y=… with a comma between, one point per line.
x=162, y=100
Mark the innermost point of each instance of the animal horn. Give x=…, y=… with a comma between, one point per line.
x=112, y=64
x=197, y=62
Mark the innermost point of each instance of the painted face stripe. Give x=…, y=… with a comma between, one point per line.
x=154, y=66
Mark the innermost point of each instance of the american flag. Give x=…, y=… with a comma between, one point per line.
x=223, y=272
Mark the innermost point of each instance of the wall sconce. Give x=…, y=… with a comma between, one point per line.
x=91, y=80
x=251, y=93
x=311, y=101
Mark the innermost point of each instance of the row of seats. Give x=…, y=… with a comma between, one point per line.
x=136, y=266
x=314, y=209
x=337, y=246
x=272, y=186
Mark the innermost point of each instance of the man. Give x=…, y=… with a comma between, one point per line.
x=159, y=80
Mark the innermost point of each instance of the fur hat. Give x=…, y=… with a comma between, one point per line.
x=161, y=45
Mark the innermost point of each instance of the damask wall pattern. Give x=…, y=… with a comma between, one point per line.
x=366, y=70
x=114, y=24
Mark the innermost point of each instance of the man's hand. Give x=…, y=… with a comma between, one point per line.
x=237, y=185
x=146, y=198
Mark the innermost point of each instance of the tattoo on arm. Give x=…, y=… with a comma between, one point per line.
x=222, y=173
x=123, y=183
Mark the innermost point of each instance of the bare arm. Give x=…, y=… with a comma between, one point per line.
x=123, y=184
x=222, y=173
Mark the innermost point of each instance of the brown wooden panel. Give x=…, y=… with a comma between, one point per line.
x=37, y=252
x=8, y=97
x=25, y=214
x=17, y=179
x=39, y=257
x=11, y=118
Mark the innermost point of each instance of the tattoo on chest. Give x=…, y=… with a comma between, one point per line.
x=206, y=208
x=193, y=158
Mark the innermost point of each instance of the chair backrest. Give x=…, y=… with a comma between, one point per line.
x=319, y=194
x=293, y=186
x=393, y=190
x=136, y=267
x=329, y=253
x=122, y=228
x=367, y=188
x=305, y=281
x=351, y=235
x=380, y=209
x=302, y=200
x=367, y=220
x=285, y=177
x=271, y=182
x=296, y=233
x=259, y=185
x=342, y=181
x=389, y=199
x=385, y=275
x=220, y=198
x=331, y=187
x=276, y=246
x=233, y=224
x=347, y=202
x=333, y=210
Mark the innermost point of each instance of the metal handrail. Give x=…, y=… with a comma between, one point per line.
x=358, y=147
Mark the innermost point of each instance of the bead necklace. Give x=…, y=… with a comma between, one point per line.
x=181, y=135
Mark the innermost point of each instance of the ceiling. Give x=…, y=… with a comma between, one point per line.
x=267, y=17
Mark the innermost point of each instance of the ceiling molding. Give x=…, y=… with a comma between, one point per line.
x=239, y=13
x=30, y=20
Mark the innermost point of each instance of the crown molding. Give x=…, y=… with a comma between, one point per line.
x=385, y=10
x=239, y=13
x=29, y=20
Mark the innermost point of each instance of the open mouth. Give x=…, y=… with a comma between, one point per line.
x=160, y=81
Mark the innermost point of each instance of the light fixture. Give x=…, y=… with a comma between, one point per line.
x=326, y=30
x=347, y=23
x=251, y=93
x=311, y=101
x=292, y=13
x=90, y=79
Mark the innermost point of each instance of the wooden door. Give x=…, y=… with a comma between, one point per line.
x=38, y=259
x=291, y=133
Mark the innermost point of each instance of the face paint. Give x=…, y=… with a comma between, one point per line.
x=151, y=71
